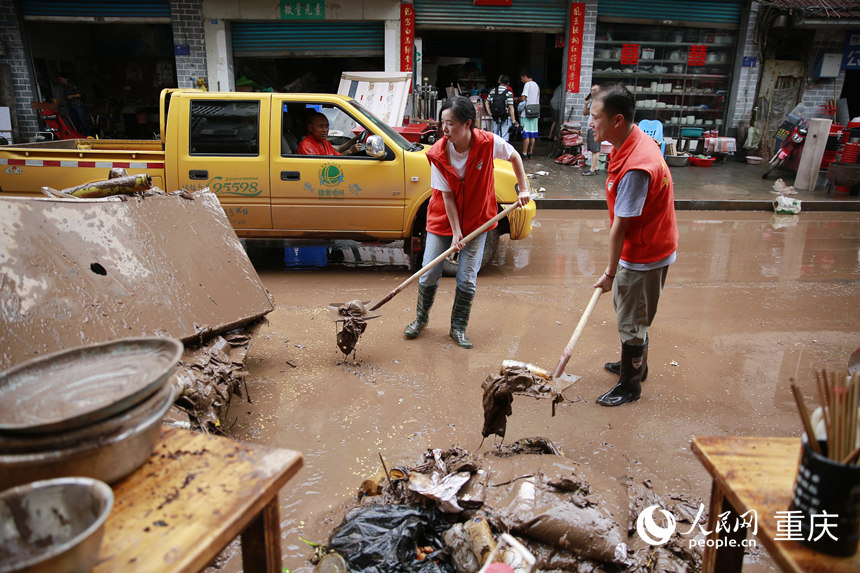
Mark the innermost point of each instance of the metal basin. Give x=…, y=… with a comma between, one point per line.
x=12, y=443
x=53, y=525
x=108, y=458
x=79, y=386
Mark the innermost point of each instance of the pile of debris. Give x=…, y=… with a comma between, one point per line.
x=447, y=512
x=208, y=376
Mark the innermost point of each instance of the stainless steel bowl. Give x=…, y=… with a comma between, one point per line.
x=53, y=525
x=678, y=160
x=12, y=443
x=108, y=458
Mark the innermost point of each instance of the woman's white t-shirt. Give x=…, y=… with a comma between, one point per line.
x=501, y=150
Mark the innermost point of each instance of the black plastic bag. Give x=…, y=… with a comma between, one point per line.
x=383, y=539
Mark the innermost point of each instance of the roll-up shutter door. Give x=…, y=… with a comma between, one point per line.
x=708, y=13
x=520, y=16
x=131, y=11
x=308, y=38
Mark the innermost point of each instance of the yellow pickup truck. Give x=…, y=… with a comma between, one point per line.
x=243, y=147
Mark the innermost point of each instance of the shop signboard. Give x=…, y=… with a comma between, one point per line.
x=407, y=37
x=574, y=45
x=851, y=53
x=307, y=10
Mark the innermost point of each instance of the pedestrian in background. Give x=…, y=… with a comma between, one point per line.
x=75, y=102
x=592, y=144
x=643, y=236
x=531, y=113
x=464, y=198
x=500, y=106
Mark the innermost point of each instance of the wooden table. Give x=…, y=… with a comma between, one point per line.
x=193, y=496
x=757, y=474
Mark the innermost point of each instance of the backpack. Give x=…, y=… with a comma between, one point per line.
x=498, y=108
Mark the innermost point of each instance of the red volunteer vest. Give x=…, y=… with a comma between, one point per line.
x=653, y=235
x=475, y=195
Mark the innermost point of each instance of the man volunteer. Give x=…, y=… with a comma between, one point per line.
x=643, y=236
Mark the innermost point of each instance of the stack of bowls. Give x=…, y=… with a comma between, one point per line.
x=92, y=411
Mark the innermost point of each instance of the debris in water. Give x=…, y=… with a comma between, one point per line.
x=353, y=315
x=499, y=393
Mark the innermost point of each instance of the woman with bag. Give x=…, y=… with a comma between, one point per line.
x=529, y=121
x=464, y=198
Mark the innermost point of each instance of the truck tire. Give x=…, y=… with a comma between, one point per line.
x=449, y=265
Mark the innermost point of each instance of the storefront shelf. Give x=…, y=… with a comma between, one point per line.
x=649, y=44
x=649, y=75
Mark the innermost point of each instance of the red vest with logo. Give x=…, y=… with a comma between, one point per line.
x=475, y=194
x=653, y=235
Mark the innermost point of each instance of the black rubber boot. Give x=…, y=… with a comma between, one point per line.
x=629, y=387
x=426, y=296
x=460, y=317
x=615, y=367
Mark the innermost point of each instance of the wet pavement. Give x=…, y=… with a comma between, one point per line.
x=729, y=184
x=754, y=300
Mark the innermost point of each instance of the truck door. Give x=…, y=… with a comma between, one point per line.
x=349, y=193
x=226, y=148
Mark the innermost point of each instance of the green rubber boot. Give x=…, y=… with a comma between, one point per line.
x=426, y=296
x=460, y=317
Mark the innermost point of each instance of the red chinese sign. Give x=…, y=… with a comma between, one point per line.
x=697, y=55
x=574, y=45
x=629, y=54
x=407, y=37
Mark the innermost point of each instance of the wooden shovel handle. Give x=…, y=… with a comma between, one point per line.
x=568, y=350
x=442, y=257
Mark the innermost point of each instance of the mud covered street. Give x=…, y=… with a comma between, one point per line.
x=753, y=301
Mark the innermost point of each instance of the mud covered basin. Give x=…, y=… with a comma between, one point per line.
x=74, y=388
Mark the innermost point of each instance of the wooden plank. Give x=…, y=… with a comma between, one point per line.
x=195, y=494
x=758, y=474
x=84, y=271
x=812, y=154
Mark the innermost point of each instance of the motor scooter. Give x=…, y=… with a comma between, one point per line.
x=56, y=126
x=791, y=146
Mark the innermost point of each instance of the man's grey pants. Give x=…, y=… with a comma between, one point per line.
x=635, y=295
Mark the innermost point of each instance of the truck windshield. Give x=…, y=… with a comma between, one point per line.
x=398, y=139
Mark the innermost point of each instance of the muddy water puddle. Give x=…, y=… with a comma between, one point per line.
x=751, y=302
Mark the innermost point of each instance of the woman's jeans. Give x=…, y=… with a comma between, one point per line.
x=467, y=270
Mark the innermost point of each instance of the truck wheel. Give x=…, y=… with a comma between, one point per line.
x=449, y=265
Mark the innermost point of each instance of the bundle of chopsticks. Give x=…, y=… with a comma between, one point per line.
x=839, y=396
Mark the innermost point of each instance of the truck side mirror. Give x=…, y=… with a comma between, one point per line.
x=375, y=147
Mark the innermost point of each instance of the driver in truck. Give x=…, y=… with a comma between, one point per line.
x=316, y=141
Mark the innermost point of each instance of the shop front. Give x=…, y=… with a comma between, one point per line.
x=306, y=56
x=119, y=54
x=468, y=44
x=678, y=58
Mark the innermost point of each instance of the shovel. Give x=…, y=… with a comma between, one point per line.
x=360, y=311
x=568, y=350
x=558, y=373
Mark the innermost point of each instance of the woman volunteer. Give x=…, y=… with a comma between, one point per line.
x=464, y=198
